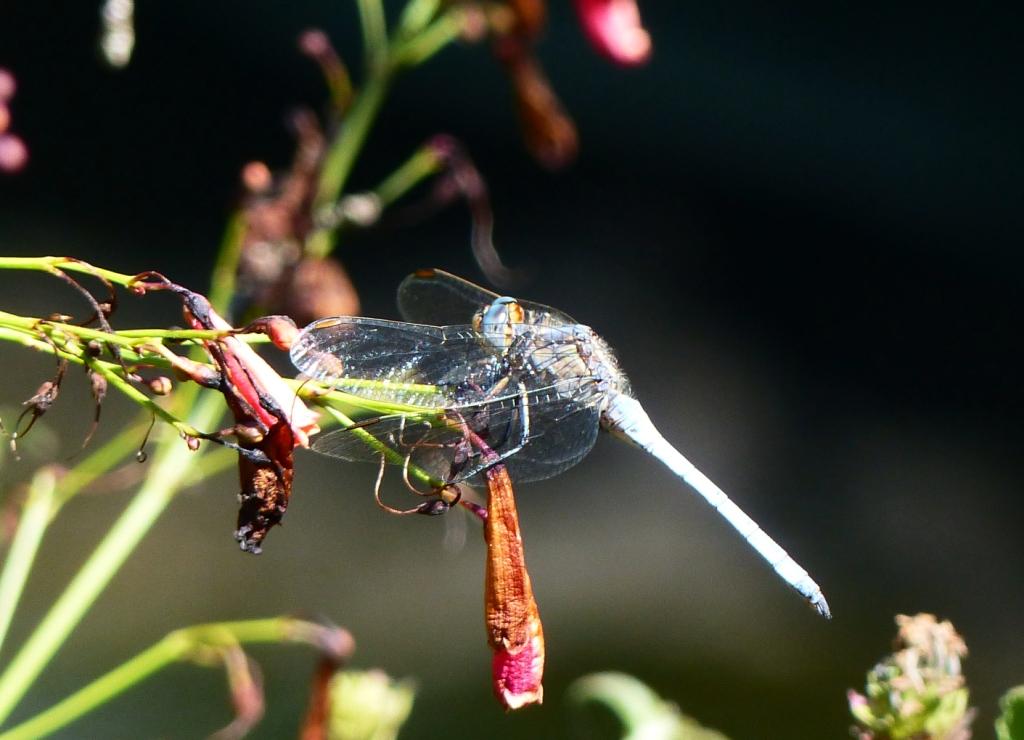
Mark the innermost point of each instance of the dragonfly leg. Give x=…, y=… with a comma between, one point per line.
x=377, y=496
x=524, y=415
x=445, y=499
x=492, y=458
x=408, y=483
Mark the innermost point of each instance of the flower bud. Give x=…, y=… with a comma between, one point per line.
x=614, y=29
x=160, y=385
x=918, y=690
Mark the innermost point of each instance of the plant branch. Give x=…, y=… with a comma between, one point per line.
x=431, y=40
x=183, y=644
x=342, y=154
x=170, y=467
x=424, y=162
x=222, y=282
x=53, y=265
x=35, y=515
x=46, y=495
x=375, y=32
x=414, y=44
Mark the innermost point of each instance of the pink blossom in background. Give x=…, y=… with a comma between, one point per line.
x=7, y=85
x=13, y=153
x=614, y=28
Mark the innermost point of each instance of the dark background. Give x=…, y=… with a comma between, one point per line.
x=799, y=225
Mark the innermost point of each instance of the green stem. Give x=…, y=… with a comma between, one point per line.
x=431, y=40
x=52, y=264
x=170, y=467
x=41, y=326
x=375, y=32
x=342, y=155
x=176, y=646
x=74, y=354
x=421, y=165
x=35, y=515
x=415, y=16
x=100, y=462
x=222, y=282
x=306, y=390
x=45, y=498
x=413, y=45
x=125, y=337
x=185, y=334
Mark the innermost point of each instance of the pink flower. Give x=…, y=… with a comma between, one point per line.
x=13, y=153
x=613, y=27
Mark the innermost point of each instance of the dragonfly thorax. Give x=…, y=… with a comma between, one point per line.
x=601, y=361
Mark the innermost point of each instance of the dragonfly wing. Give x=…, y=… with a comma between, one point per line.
x=437, y=297
x=395, y=362
x=537, y=441
x=559, y=439
x=431, y=449
x=449, y=447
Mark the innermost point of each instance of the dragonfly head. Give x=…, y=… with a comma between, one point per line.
x=497, y=321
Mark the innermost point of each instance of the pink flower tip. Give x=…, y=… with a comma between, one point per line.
x=615, y=30
x=517, y=672
x=314, y=42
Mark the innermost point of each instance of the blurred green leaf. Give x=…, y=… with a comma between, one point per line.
x=1010, y=724
x=643, y=714
x=368, y=705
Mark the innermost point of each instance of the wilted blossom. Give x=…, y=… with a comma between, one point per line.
x=614, y=28
x=274, y=274
x=514, y=628
x=270, y=421
x=548, y=131
x=918, y=691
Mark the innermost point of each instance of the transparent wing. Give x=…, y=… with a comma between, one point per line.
x=437, y=297
x=559, y=439
x=540, y=442
x=395, y=362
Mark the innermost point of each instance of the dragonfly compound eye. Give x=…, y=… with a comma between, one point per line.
x=497, y=321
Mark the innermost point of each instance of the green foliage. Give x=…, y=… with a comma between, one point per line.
x=368, y=705
x=918, y=691
x=1010, y=724
x=639, y=710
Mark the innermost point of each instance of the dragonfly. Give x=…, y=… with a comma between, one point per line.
x=521, y=384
